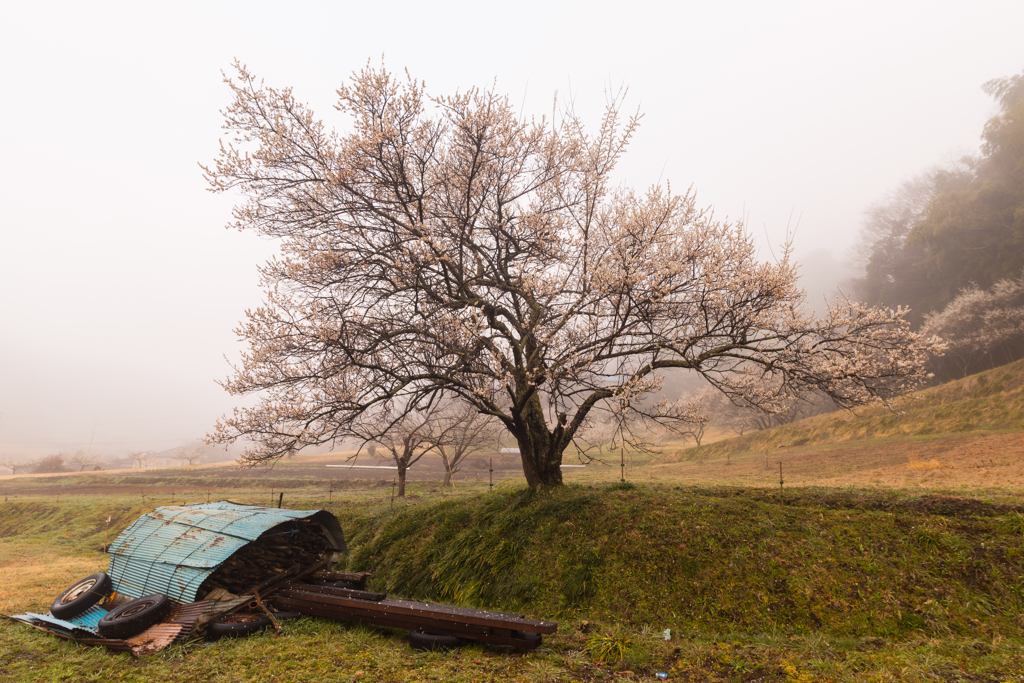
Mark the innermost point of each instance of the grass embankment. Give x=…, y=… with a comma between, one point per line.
x=821, y=586
x=990, y=401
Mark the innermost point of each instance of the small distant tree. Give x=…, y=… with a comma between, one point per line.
x=15, y=465
x=695, y=430
x=82, y=460
x=50, y=464
x=981, y=328
x=741, y=418
x=141, y=459
x=461, y=432
x=407, y=438
x=598, y=434
x=192, y=453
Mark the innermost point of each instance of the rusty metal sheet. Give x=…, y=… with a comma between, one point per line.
x=178, y=626
x=154, y=639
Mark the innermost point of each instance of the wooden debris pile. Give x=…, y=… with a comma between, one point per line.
x=287, y=548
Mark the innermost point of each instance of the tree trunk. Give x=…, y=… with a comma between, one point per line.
x=538, y=448
x=401, y=480
x=447, y=466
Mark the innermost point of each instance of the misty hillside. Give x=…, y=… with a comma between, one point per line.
x=990, y=401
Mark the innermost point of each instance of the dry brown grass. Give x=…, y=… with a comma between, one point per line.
x=31, y=582
x=947, y=462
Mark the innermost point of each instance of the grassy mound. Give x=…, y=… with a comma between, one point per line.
x=712, y=560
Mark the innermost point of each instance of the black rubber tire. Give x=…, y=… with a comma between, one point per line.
x=236, y=625
x=134, y=616
x=418, y=640
x=81, y=595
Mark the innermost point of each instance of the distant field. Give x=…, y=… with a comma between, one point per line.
x=965, y=434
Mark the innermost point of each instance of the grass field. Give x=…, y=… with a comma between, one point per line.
x=893, y=551
x=821, y=585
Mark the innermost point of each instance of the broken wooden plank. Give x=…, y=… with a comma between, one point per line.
x=331, y=590
x=465, y=631
x=358, y=578
x=413, y=608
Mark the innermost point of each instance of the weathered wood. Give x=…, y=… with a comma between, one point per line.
x=331, y=590
x=355, y=577
x=441, y=613
x=481, y=634
x=294, y=569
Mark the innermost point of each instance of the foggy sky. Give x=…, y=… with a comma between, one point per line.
x=120, y=287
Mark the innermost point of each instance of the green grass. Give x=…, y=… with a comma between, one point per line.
x=823, y=585
x=858, y=565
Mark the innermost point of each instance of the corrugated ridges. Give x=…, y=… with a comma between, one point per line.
x=173, y=549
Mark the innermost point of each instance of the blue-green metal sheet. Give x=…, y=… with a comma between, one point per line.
x=173, y=549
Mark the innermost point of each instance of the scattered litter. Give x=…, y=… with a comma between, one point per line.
x=667, y=634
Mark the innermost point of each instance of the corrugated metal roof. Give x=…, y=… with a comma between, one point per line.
x=84, y=625
x=173, y=549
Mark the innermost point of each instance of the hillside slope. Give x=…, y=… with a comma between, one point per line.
x=966, y=433
x=989, y=401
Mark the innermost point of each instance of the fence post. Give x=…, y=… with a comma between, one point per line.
x=622, y=464
x=490, y=473
x=780, y=482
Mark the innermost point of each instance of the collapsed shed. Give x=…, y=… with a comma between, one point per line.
x=180, y=570
x=209, y=558
x=191, y=551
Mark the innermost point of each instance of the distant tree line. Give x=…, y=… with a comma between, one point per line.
x=949, y=244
